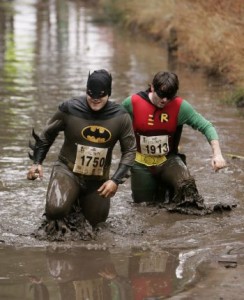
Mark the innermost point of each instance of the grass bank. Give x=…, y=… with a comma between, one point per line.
x=206, y=34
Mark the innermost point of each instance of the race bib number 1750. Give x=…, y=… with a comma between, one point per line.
x=90, y=160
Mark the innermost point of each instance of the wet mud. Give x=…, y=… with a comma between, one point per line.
x=75, y=227
x=187, y=200
x=72, y=228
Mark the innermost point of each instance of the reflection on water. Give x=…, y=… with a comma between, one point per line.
x=47, y=48
x=87, y=274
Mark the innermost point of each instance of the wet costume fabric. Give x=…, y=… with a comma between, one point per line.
x=158, y=164
x=85, y=157
x=83, y=126
x=157, y=120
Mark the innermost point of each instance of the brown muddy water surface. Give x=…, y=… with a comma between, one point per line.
x=47, y=49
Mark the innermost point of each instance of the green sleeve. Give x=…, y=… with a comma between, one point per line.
x=128, y=106
x=188, y=115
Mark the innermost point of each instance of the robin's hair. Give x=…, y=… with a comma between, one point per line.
x=166, y=82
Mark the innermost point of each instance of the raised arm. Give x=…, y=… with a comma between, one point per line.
x=188, y=115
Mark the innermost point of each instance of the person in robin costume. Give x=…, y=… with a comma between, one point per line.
x=160, y=172
x=80, y=178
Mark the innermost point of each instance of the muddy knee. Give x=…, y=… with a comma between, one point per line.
x=63, y=191
x=58, y=208
x=95, y=209
x=56, y=212
x=175, y=171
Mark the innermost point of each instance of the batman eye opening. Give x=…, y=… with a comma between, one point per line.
x=102, y=94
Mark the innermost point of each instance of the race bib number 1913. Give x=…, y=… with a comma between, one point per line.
x=90, y=160
x=154, y=145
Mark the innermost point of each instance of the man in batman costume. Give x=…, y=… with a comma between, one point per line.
x=80, y=184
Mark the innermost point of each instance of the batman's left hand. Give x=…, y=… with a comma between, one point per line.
x=108, y=189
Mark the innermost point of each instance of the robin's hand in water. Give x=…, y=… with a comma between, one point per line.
x=35, y=172
x=218, y=162
x=108, y=189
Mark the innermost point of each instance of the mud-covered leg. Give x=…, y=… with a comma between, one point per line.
x=65, y=219
x=174, y=170
x=94, y=207
x=185, y=197
x=63, y=191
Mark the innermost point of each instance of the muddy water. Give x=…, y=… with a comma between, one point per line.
x=47, y=49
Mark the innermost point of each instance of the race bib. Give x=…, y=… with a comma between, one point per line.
x=154, y=262
x=90, y=160
x=154, y=145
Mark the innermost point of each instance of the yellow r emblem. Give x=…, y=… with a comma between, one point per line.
x=164, y=118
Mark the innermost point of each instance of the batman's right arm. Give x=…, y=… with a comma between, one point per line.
x=44, y=141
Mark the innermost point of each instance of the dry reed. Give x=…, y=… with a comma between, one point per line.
x=208, y=34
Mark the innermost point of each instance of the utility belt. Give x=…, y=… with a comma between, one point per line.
x=150, y=160
x=65, y=161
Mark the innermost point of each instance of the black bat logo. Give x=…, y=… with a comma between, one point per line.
x=96, y=134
